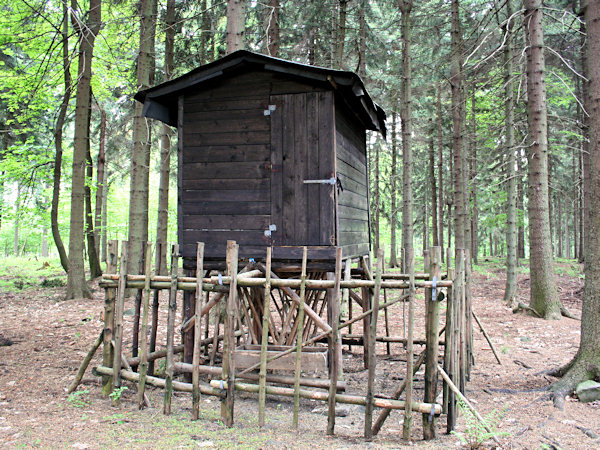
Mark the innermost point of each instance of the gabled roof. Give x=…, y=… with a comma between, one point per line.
x=160, y=102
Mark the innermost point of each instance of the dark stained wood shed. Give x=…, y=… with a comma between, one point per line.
x=271, y=153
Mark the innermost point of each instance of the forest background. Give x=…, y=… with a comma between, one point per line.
x=469, y=162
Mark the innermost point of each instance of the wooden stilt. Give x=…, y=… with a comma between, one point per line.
x=143, y=368
x=159, y=270
x=366, y=297
x=197, y=333
x=300, y=322
x=432, y=349
x=171, y=329
x=266, y=313
x=410, y=264
x=333, y=304
x=388, y=345
x=119, y=308
x=229, y=342
x=109, y=317
x=368, y=432
x=137, y=308
x=346, y=293
x=468, y=315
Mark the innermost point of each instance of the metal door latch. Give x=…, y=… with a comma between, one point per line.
x=332, y=181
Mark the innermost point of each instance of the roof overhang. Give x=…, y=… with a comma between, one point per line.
x=160, y=102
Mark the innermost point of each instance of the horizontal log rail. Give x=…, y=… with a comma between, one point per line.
x=379, y=402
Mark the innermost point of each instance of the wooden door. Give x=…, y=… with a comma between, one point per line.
x=302, y=148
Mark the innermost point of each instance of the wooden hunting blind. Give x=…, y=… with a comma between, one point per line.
x=271, y=153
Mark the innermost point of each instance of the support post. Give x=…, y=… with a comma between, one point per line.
x=372, y=348
x=410, y=264
x=143, y=367
x=171, y=330
x=119, y=306
x=333, y=305
x=197, y=333
x=109, y=317
x=432, y=349
x=229, y=342
x=299, y=334
x=262, y=396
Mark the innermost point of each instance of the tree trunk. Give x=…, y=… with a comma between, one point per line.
x=362, y=40
x=17, y=221
x=406, y=126
x=236, y=25
x=393, y=189
x=140, y=154
x=341, y=34
x=544, y=295
x=440, y=169
x=271, y=40
x=520, y=210
x=76, y=286
x=95, y=269
x=58, y=138
x=586, y=364
x=165, y=151
x=585, y=225
x=473, y=179
x=460, y=211
x=434, y=206
x=510, y=288
x=100, y=180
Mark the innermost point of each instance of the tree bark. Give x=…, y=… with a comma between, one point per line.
x=393, y=189
x=586, y=364
x=406, y=126
x=272, y=38
x=341, y=34
x=432, y=181
x=236, y=25
x=140, y=153
x=460, y=211
x=510, y=288
x=100, y=180
x=94, y=261
x=362, y=40
x=76, y=286
x=473, y=181
x=58, y=139
x=544, y=295
x=440, y=165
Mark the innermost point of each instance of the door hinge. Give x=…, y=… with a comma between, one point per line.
x=269, y=110
x=270, y=230
x=332, y=181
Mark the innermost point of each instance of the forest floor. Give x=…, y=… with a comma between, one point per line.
x=50, y=337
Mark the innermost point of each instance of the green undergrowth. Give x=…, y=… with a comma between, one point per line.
x=18, y=274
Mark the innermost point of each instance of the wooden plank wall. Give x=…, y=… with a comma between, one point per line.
x=351, y=160
x=225, y=162
x=225, y=183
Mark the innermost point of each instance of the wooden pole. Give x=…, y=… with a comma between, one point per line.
x=130, y=375
x=383, y=415
x=466, y=402
x=119, y=307
x=229, y=342
x=462, y=319
x=197, y=333
x=366, y=298
x=432, y=348
x=368, y=432
x=468, y=315
x=388, y=345
x=324, y=396
x=333, y=304
x=109, y=317
x=143, y=368
x=299, y=334
x=85, y=363
x=159, y=270
x=410, y=264
x=346, y=300
x=262, y=396
x=486, y=337
x=449, y=343
x=171, y=330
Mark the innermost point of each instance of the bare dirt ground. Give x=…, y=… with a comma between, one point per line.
x=51, y=336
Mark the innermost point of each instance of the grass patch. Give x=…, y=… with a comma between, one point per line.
x=18, y=274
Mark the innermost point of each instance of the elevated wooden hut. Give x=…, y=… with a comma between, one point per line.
x=271, y=153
